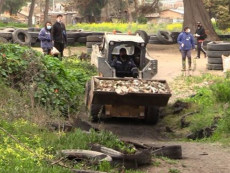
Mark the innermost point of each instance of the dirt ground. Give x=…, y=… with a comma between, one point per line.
x=197, y=157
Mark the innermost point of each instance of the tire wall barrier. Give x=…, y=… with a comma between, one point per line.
x=215, y=50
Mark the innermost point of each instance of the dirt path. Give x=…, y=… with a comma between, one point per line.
x=197, y=157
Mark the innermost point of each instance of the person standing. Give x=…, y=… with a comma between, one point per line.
x=59, y=35
x=187, y=43
x=200, y=36
x=45, y=38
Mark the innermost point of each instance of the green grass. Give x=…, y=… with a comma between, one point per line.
x=10, y=25
x=211, y=104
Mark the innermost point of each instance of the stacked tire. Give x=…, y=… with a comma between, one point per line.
x=82, y=37
x=72, y=37
x=163, y=37
x=21, y=37
x=92, y=40
x=215, y=50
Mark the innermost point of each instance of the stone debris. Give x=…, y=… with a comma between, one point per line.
x=131, y=86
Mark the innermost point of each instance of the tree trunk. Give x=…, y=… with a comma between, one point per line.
x=46, y=11
x=129, y=11
x=30, y=17
x=1, y=5
x=194, y=11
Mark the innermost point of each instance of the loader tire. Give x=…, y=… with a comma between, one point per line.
x=151, y=114
x=143, y=35
x=87, y=90
x=95, y=112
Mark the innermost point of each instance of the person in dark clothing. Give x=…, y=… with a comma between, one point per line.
x=124, y=65
x=187, y=43
x=200, y=35
x=45, y=38
x=59, y=35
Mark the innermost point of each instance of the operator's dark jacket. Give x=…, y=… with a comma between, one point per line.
x=125, y=68
x=59, y=33
x=200, y=31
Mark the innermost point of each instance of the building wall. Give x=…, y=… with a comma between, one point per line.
x=172, y=4
x=170, y=14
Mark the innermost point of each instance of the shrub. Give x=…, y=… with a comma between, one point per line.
x=221, y=91
x=50, y=82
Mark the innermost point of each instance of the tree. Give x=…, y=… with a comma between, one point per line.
x=46, y=11
x=194, y=11
x=13, y=6
x=220, y=10
x=90, y=9
x=30, y=17
x=1, y=5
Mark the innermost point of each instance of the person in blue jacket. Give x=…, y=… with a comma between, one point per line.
x=45, y=38
x=187, y=43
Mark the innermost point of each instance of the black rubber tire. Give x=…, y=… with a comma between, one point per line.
x=98, y=33
x=152, y=114
x=172, y=152
x=70, y=41
x=154, y=38
x=90, y=44
x=37, y=29
x=143, y=35
x=5, y=34
x=84, y=34
x=218, y=54
x=26, y=37
x=218, y=46
x=72, y=35
x=33, y=40
x=94, y=112
x=164, y=37
x=94, y=155
x=215, y=60
x=36, y=44
x=81, y=40
x=174, y=36
x=222, y=36
x=3, y=40
x=155, y=42
x=94, y=38
x=87, y=89
x=108, y=151
x=31, y=29
x=34, y=34
x=215, y=66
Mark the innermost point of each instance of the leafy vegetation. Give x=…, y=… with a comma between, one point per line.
x=27, y=147
x=27, y=144
x=210, y=105
x=50, y=82
x=125, y=27
x=11, y=24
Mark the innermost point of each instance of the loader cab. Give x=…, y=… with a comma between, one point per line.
x=134, y=46
x=103, y=55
